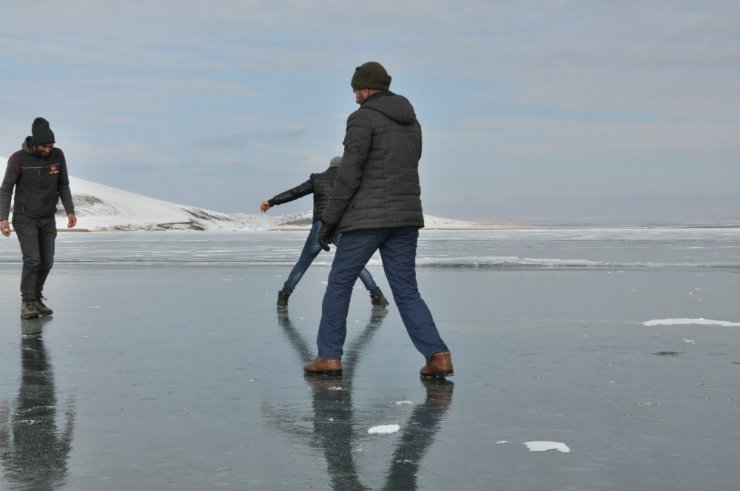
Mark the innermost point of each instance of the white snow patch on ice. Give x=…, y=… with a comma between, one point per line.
x=545, y=446
x=383, y=429
x=682, y=322
x=403, y=403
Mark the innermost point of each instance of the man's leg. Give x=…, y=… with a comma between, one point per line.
x=28, y=237
x=398, y=252
x=47, y=235
x=377, y=299
x=368, y=281
x=365, y=276
x=311, y=249
x=352, y=253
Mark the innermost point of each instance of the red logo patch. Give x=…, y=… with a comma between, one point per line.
x=54, y=169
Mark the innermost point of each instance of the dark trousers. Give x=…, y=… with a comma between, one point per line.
x=398, y=252
x=311, y=249
x=36, y=237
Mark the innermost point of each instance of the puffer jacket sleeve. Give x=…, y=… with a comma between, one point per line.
x=292, y=194
x=357, y=141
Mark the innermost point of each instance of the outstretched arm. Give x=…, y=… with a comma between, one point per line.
x=291, y=194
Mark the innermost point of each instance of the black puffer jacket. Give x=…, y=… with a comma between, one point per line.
x=39, y=184
x=378, y=181
x=319, y=184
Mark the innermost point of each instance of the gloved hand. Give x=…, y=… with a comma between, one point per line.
x=326, y=235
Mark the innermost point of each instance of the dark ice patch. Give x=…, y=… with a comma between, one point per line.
x=667, y=353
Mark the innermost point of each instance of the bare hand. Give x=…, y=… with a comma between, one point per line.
x=5, y=228
x=264, y=206
x=71, y=220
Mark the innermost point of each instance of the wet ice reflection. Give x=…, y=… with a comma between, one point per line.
x=339, y=432
x=33, y=450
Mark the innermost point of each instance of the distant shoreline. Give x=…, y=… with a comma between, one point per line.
x=492, y=228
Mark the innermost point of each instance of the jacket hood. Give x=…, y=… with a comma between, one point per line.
x=394, y=106
x=26, y=145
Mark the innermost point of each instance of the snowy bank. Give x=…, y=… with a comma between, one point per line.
x=102, y=208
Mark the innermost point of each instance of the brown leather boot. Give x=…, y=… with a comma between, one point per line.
x=28, y=309
x=42, y=308
x=439, y=365
x=324, y=366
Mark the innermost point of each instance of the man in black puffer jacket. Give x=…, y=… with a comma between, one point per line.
x=38, y=173
x=320, y=185
x=376, y=205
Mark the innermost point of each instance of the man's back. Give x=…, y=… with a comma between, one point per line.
x=378, y=182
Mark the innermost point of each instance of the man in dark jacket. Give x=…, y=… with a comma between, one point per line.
x=320, y=185
x=38, y=173
x=376, y=205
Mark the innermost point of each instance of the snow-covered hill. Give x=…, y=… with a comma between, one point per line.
x=101, y=207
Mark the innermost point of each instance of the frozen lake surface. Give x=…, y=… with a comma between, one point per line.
x=584, y=359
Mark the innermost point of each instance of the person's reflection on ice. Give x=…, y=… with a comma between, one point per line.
x=334, y=423
x=33, y=451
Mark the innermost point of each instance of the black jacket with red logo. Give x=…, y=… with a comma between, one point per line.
x=39, y=183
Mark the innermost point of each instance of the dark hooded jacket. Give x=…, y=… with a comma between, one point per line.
x=319, y=184
x=39, y=184
x=377, y=184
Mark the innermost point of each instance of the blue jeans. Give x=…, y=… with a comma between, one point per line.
x=311, y=249
x=36, y=237
x=398, y=251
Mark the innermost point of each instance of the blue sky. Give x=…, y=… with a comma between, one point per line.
x=531, y=110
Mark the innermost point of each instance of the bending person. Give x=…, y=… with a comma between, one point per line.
x=321, y=185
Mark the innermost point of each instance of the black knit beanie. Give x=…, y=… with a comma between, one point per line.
x=371, y=75
x=41, y=134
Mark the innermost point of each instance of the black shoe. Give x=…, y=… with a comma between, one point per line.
x=378, y=300
x=282, y=301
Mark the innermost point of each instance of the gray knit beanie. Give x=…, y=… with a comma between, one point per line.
x=335, y=161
